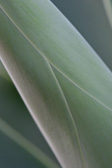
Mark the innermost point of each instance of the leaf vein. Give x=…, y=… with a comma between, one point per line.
x=38, y=50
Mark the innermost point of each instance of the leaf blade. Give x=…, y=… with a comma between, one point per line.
x=68, y=38
x=90, y=79
x=31, y=81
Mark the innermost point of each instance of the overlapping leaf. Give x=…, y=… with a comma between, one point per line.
x=64, y=84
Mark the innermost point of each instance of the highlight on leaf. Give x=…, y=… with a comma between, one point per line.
x=64, y=84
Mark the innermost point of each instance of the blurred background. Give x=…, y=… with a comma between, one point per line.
x=90, y=19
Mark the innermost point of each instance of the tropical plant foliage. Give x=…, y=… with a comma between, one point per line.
x=64, y=84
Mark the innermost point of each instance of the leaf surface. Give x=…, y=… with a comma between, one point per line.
x=64, y=84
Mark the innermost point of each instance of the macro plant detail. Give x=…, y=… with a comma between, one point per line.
x=64, y=84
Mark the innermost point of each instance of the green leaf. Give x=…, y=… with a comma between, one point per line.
x=64, y=84
x=12, y=155
x=90, y=20
x=108, y=9
x=19, y=137
x=31, y=149
x=43, y=97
